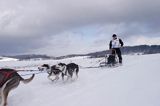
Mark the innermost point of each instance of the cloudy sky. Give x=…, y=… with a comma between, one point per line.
x=60, y=27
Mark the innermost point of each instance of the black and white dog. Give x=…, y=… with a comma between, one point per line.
x=68, y=69
x=44, y=67
x=51, y=70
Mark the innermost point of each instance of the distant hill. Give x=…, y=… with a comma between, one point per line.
x=141, y=49
x=31, y=56
x=7, y=59
x=145, y=49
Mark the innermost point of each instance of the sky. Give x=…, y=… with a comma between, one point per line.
x=61, y=27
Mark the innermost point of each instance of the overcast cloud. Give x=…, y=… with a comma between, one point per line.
x=60, y=27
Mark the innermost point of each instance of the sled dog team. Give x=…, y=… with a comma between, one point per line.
x=10, y=79
x=61, y=68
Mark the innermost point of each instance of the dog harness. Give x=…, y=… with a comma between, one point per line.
x=6, y=75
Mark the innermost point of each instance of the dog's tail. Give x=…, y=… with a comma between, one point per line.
x=25, y=81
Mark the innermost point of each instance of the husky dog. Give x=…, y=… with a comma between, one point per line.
x=68, y=69
x=44, y=67
x=51, y=70
x=10, y=79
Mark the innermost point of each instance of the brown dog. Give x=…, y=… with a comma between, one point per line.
x=10, y=79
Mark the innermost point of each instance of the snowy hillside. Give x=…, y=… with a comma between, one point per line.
x=7, y=59
x=136, y=83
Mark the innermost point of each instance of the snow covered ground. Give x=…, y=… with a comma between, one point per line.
x=136, y=83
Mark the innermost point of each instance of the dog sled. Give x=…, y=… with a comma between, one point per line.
x=111, y=60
